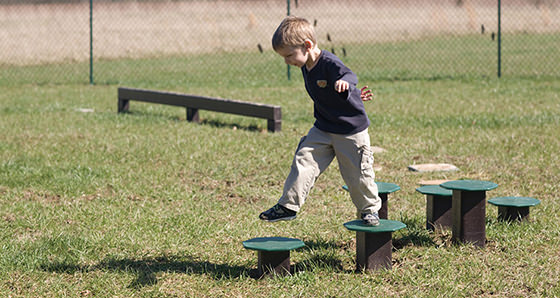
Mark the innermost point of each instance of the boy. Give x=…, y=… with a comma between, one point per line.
x=340, y=129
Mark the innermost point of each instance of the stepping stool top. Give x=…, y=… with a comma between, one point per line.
x=382, y=187
x=385, y=225
x=469, y=185
x=514, y=201
x=435, y=190
x=385, y=187
x=273, y=244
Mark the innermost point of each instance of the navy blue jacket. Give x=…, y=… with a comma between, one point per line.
x=340, y=113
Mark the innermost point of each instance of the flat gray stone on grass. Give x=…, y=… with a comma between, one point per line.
x=432, y=182
x=376, y=149
x=433, y=167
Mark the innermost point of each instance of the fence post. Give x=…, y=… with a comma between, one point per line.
x=91, y=42
x=287, y=65
x=499, y=38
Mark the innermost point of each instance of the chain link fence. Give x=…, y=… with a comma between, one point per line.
x=105, y=41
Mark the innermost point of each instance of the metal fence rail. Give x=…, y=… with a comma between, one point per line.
x=395, y=38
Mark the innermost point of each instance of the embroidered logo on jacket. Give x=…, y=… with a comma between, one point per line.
x=322, y=83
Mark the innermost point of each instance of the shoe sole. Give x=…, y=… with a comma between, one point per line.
x=281, y=219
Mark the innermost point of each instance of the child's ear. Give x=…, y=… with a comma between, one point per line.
x=308, y=44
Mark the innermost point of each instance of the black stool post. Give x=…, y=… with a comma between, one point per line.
x=276, y=262
x=514, y=208
x=438, y=207
x=438, y=212
x=374, y=243
x=383, y=212
x=469, y=217
x=373, y=251
x=273, y=253
x=469, y=210
x=384, y=189
x=513, y=213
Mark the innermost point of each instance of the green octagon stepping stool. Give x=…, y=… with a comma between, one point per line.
x=383, y=189
x=273, y=253
x=469, y=210
x=514, y=208
x=374, y=244
x=438, y=206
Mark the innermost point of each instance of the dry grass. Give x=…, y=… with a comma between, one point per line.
x=60, y=32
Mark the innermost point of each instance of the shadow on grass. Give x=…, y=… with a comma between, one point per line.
x=146, y=269
x=152, y=115
x=322, y=245
x=220, y=124
x=322, y=254
x=214, y=123
x=415, y=238
x=415, y=234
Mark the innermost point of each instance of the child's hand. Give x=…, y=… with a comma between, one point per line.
x=341, y=86
x=366, y=94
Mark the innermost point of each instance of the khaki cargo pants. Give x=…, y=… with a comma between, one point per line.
x=314, y=154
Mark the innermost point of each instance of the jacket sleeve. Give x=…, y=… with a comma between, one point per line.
x=339, y=71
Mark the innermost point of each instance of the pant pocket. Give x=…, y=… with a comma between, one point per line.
x=366, y=163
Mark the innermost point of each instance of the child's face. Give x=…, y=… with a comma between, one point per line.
x=296, y=56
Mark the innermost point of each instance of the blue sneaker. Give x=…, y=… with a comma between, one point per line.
x=277, y=213
x=371, y=219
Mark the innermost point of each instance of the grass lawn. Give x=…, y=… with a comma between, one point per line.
x=145, y=204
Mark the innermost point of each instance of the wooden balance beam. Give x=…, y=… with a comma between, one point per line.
x=194, y=103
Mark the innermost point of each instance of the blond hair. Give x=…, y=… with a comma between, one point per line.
x=292, y=32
